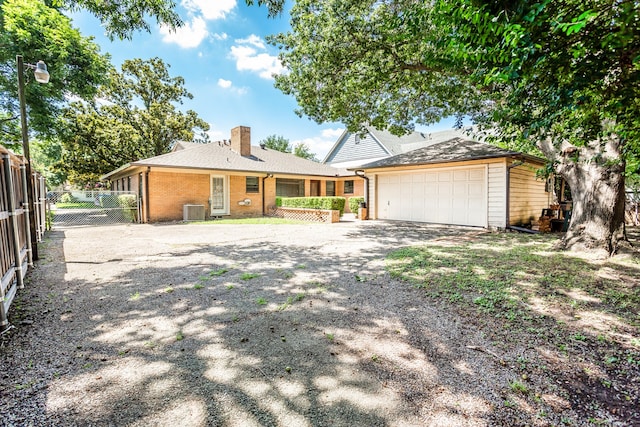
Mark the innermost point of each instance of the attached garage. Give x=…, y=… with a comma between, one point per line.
x=447, y=196
x=457, y=182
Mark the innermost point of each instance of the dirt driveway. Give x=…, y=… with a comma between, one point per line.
x=242, y=325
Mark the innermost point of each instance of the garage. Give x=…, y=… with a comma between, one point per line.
x=455, y=196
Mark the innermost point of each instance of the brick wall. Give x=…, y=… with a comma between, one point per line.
x=238, y=193
x=168, y=192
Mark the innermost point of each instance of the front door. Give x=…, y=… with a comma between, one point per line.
x=314, y=188
x=219, y=196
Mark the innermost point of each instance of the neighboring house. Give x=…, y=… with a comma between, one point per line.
x=351, y=149
x=458, y=182
x=229, y=178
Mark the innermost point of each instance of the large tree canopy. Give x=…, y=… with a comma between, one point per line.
x=136, y=117
x=560, y=76
x=37, y=32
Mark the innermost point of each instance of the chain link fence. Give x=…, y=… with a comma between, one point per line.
x=87, y=208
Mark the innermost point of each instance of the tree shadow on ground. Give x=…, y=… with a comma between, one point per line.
x=256, y=332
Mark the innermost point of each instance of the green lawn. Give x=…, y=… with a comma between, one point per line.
x=76, y=205
x=569, y=316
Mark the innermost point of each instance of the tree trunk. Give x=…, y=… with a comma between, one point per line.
x=595, y=174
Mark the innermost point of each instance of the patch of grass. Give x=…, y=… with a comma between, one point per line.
x=179, y=336
x=249, y=276
x=518, y=387
x=168, y=289
x=261, y=301
x=198, y=286
x=329, y=336
x=218, y=272
x=134, y=296
x=290, y=300
x=512, y=277
x=230, y=287
x=25, y=385
x=76, y=205
x=301, y=266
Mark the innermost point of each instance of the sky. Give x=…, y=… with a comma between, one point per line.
x=227, y=65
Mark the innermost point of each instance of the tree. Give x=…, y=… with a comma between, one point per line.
x=135, y=118
x=76, y=66
x=302, y=150
x=559, y=76
x=278, y=143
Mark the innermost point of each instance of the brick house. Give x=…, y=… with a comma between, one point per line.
x=229, y=178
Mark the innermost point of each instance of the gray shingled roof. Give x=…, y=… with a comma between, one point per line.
x=405, y=143
x=215, y=156
x=453, y=150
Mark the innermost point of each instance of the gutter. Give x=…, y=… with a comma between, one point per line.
x=517, y=163
x=366, y=189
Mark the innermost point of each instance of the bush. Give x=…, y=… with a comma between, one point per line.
x=68, y=198
x=354, y=204
x=128, y=203
x=332, y=203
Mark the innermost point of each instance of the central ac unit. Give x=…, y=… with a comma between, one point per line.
x=193, y=212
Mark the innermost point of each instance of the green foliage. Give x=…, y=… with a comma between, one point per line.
x=38, y=32
x=332, y=203
x=354, y=204
x=138, y=121
x=129, y=204
x=278, y=143
x=532, y=75
x=302, y=150
x=68, y=198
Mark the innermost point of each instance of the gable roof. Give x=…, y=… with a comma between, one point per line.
x=381, y=143
x=452, y=150
x=217, y=156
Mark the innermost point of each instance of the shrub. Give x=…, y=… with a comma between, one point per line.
x=354, y=204
x=68, y=198
x=128, y=203
x=333, y=203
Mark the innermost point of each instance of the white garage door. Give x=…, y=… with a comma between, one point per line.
x=444, y=196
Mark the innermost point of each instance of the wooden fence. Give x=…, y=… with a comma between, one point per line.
x=15, y=232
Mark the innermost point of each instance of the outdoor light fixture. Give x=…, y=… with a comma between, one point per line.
x=40, y=71
x=42, y=76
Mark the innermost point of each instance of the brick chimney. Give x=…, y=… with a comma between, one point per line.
x=241, y=140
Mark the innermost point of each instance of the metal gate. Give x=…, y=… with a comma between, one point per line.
x=91, y=208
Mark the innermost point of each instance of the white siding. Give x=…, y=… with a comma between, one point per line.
x=351, y=149
x=372, y=196
x=497, y=188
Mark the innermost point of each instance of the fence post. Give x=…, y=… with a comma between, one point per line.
x=25, y=207
x=43, y=206
x=14, y=220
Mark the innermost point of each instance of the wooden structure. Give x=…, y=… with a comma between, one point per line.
x=15, y=234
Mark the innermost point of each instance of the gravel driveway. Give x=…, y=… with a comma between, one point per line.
x=241, y=325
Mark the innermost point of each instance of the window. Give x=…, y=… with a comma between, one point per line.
x=348, y=187
x=289, y=187
x=252, y=185
x=331, y=188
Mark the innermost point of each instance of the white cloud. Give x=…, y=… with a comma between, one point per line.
x=320, y=145
x=254, y=40
x=250, y=55
x=228, y=84
x=210, y=9
x=224, y=83
x=220, y=36
x=189, y=35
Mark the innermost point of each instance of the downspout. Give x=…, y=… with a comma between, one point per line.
x=508, y=179
x=146, y=193
x=366, y=190
x=269, y=175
